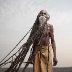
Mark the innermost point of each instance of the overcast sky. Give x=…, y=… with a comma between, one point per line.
x=17, y=17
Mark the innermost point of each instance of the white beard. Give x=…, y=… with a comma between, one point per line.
x=42, y=20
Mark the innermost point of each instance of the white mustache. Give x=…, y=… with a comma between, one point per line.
x=42, y=20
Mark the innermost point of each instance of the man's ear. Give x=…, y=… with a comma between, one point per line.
x=48, y=17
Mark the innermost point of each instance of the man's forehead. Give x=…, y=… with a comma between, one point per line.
x=43, y=11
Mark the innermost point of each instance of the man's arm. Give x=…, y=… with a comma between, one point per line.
x=53, y=44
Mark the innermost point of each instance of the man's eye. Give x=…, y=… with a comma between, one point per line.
x=41, y=13
x=45, y=13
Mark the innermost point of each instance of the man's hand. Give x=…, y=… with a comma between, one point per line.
x=55, y=61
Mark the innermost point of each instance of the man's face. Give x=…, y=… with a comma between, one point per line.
x=43, y=17
x=43, y=13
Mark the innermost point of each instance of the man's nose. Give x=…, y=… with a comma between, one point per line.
x=42, y=14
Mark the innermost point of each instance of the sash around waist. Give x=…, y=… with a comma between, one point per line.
x=44, y=47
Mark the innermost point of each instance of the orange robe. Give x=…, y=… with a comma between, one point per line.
x=43, y=60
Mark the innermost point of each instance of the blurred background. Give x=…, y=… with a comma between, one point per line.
x=18, y=16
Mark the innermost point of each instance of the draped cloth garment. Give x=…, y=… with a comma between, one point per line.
x=43, y=60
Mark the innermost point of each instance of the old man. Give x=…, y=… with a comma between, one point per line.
x=42, y=35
